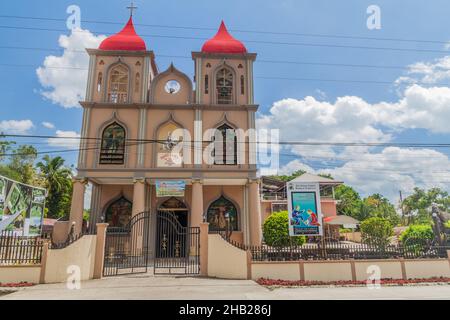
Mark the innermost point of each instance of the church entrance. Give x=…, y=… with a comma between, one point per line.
x=177, y=246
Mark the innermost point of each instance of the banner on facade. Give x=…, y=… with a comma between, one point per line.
x=170, y=188
x=305, y=217
x=21, y=208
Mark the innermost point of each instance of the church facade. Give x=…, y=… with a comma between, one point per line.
x=134, y=114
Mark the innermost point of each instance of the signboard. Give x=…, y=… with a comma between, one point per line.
x=170, y=188
x=305, y=216
x=21, y=208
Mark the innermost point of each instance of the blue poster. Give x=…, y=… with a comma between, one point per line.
x=304, y=218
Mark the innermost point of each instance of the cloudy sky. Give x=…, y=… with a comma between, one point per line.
x=321, y=75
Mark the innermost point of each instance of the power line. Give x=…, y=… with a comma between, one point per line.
x=305, y=44
x=237, y=30
x=296, y=143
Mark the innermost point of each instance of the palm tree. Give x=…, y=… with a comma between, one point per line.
x=58, y=183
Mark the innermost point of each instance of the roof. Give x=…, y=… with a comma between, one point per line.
x=125, y=40
x=223, y=42
x=340, y=220
x=308, y=177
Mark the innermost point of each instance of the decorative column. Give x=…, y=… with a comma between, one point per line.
x=138, y=196
x=197, y=203
x=77, y=205
x=254, y=205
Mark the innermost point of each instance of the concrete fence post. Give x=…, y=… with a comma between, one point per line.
x=99, y=250
x=448, y=256
x=204, y=233
x=43, y=262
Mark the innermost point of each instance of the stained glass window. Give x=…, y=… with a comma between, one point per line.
x=118, y=214
x=222, y=215
x=113, y=145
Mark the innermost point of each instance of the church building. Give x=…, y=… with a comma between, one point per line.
x=130, y=114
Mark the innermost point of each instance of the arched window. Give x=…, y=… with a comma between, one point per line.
x=222, y=215
x=113, y=144
x=225, y=145
x=118, y=213
x=242, y=85
x=137, y=82
x=99, y=82
x=224, y=86
x=118, y=84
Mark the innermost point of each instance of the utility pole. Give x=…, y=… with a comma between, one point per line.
x=401, y=205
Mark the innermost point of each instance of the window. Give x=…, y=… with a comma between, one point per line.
x=113, y=145
x=137, y=82
x=225, y=145
x=206, y=84
x=99, y=82
x=118, y=84
x=222, y=215
x=118, y=214
x=224, y=86
x=242, y=85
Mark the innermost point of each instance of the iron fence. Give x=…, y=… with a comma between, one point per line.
x=19, y=250
x=341, y=251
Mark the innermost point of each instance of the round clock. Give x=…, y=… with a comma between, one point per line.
x=172, y=86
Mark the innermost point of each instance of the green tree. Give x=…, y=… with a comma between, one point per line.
x=417, y=206
x=20, y=165
x=276, y=230
x=376, y=231
x=417, y=234
x=379, y=206
x=58, y=183
x=289, y=177
x=349, y=201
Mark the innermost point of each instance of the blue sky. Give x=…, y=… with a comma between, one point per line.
x=406, y=19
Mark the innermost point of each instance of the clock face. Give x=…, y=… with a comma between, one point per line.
x=172, y=87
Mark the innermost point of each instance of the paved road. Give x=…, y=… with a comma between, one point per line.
x=150, y=287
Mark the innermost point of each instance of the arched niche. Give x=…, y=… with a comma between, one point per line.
x=222, y=213
x=118, y=212
x=171, y=87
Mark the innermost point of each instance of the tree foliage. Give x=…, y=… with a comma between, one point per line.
x=276, y=230
x=417, y=234
x=417, y=206
x=58, y=183
x=377, y=231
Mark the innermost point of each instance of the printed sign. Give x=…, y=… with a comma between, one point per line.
x=305, y=217
x=21, y=208
x=170, y=188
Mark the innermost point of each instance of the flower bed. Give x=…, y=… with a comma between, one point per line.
x=303, y=283
x=16, y=285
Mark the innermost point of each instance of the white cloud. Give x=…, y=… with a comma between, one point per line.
x=65, y=140
x=16, y=126
x=64, y=77
x=48, y=125
x=387, y=171
x=427, y=72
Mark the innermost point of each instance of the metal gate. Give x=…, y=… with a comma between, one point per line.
x=177, y=248
x=127, y=248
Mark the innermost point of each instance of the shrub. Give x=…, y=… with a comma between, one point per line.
x=417, y=234
x=376, y=231
x=276, y=230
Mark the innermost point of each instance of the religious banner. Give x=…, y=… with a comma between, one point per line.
x=21, y=208
x=170, y=188
x=305, y=217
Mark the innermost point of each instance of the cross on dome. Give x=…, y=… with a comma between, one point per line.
x=132, y=7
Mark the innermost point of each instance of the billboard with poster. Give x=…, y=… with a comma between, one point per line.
x=21, y=208
x=305, y=216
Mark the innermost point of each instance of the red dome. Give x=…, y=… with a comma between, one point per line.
x=127, y=39
x=223, y=42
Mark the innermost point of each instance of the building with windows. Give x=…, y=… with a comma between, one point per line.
x=134, y=115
